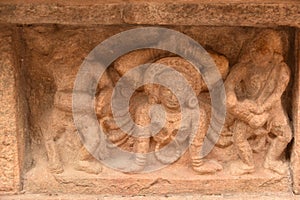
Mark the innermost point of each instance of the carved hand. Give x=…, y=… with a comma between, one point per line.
x=257, y=121
x=252, y=106
x=231, y=100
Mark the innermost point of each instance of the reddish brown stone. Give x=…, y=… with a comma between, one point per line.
x=216, y=13
x=295, y=160
x=53, y=54
x=12, y=117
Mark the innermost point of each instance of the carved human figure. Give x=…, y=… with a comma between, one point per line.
x=159, y=95
x=103, y=100
x=166, y=97
x=115, y=137
x=254, y=88
x=58, y=120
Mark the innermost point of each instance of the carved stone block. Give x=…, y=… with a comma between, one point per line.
x=57, y=153
x=295, y=158
x=12, y=117
x=164, y=137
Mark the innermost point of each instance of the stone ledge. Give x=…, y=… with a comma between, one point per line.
x=182, y=12
x=171, y=180
x=264, y=196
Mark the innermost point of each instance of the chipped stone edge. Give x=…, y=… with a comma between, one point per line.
x=256, y=14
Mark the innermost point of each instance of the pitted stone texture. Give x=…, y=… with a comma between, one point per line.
x=295, y=160
x=263, y=196
x=182, y=12
x=216, y=13
x=54, y=54
x=11, y=137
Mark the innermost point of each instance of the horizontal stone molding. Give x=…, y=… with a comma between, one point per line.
x=153, y=12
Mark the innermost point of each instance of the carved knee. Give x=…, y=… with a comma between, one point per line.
x=283, y=133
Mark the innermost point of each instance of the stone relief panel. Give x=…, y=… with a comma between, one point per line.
x=155, y=94
x=253, y=65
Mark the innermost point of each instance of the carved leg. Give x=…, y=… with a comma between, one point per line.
x=54, y=164
x=49, y=129
x=277, y=147
x=141, y=148
x=260, y=140
x=94, y=145
x=195, y=149
x=199, y=165
x=260, y=143
x=243, y=148
x=87, y=162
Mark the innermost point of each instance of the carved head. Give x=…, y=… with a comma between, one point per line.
x=162, y=94
x=263, y=47
x=166, y=96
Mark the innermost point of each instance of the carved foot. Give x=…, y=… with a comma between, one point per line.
x=208, y=167
x=133, y=168
x=277, y=166
x=91, y=167
x=55, y=167
x=239, y=168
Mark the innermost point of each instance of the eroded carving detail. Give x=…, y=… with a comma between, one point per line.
x=155, y=94
x=254, y=88
x=255, y=115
